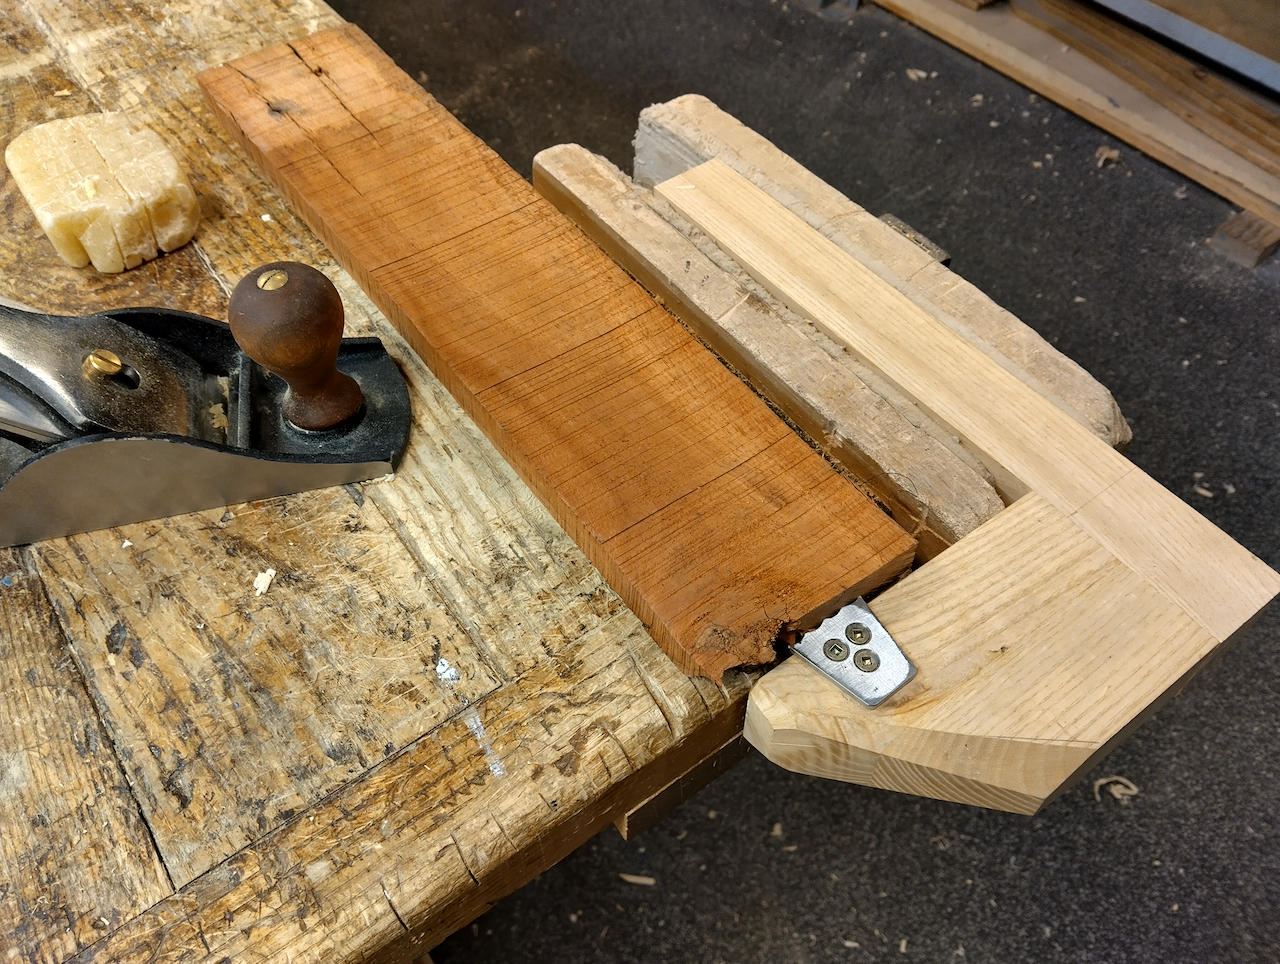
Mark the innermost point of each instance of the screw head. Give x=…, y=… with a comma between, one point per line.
x=866, y=660
x=857, y=634
x=835, y=650
x=273, y=279
x=102, y=362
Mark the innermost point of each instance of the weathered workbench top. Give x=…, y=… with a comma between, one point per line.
x=437, y=698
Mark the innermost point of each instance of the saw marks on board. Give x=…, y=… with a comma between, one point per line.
x=714, y=522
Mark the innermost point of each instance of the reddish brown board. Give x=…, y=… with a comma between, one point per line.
x=715, y=522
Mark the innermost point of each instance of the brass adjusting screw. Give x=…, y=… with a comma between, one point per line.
x=102, y=362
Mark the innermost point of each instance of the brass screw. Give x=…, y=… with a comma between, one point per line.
x=835, y=650
x=273, y=279
x=102, y=362
x=866, y=661
x=857, y=634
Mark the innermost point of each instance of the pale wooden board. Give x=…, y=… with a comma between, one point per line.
x=933, y=493
x=1028, y=443
x=714, y=522
x=1037, y=650
x=587, y=695
x=682, y=133
x=1000, y=39
x=1007, y=707
x=75, y=856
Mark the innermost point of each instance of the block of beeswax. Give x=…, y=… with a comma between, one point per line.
x=104, y=190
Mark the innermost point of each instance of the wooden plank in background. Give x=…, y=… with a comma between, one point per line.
x=1242, y=54
x=1251, y=23
x=714, y=522
x=1238, y=118
x=1000, y=39
x=1246, y=239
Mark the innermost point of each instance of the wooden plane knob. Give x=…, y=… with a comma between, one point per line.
x=288, y=318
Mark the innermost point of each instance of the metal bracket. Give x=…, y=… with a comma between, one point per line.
x=855, y=650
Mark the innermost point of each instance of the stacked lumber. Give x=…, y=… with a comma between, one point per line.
x=1236, y=117
x=1176, y=110
x=934, y=487
x=1048, y=629
x=687, y=492
x=1042, y=637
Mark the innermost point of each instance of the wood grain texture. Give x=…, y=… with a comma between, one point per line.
x=714, y=522
x=1028, y=672
x=1239, y=119
x=430, y=838
x=324, y=835
x=1002, y=40
x=1251, y=23
x=30, y=80
x=1028, y=443
x=210, y=687
x=684, y=132
x=1007, y=706
x=932, y=492
x=76, y=858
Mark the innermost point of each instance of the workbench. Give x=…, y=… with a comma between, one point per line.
x=437, y=697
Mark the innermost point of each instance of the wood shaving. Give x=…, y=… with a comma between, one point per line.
x=638, y=879
x=1106, y=155
x=262, y=582
x=1120, y=787
x=915, y=73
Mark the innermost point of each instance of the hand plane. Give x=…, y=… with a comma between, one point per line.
x=141, y=413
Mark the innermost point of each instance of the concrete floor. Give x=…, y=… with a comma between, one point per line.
x=1110, y=264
